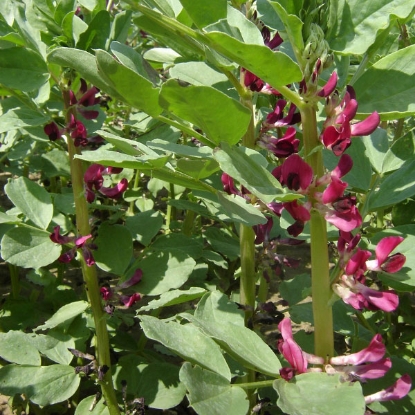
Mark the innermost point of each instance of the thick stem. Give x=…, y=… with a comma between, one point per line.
x=320, y=275
x=89, y=273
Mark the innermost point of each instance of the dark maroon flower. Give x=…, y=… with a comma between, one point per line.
x=277, y=119
x=52, y=131
x=135, y=279
x=94, y=180
x=262, y=231
x=281, y=147
x=294, y=173
x=330, y=86
x=129, y=300
x=79, y=242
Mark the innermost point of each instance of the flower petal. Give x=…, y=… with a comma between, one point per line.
x=372, y=353
x=397, y=391
x=366, y=126
x=385, y=246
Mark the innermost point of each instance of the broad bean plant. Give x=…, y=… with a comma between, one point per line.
x=208, y=206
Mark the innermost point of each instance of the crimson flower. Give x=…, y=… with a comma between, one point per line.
x=87, y=99
x=293, y=353
x=276, y=118
x=384, y=261
x=281, y=147
x=338, y=128
x=294, y=173
x=94, y=180
x=359, y=296
x=79, y=242
x=262, y=231
x=52, y=131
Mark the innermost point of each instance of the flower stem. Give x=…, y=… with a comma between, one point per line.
x=90, y=273
x=320, y=276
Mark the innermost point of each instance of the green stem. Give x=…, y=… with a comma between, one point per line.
x=256, y=385
x=320, y=275
x=130, y=211
x=15, y=281
x=248, y=277
x=90, y=276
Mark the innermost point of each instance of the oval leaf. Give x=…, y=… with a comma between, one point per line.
x=17, y=347
x=29, y=248
x=226, y=121
x=210, y=393
x=31, y=199
x=188, y=342
x=319, y=394
x=44, y=385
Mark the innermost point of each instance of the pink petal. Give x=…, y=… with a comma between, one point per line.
x=79, y=242
x=135, y=279
x=372, y=370
x=116, y=191
x=93, y=176
x=397, y=391
x=366, y=126
x=372, y=353
x=290, y=349
x=383, y=300
x=56, y=237
x=357, y=262
x=334, y=190
x=298, y=212
x=344, y=221
x=385, y=246
x=343, y=167
x=394, y=263
x=128, y=301
x=329, y=87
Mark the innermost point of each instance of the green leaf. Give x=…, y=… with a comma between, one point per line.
x=210, y=393
x=158, y=383
x=276, y=68
x=114, y=248
x=397, y=187
x=99, y=408
x=44, y=385
x=203, y=152
x=358, y=21
x=173, y=298
x=31, y=199
x=134, y=61
x=85, y=64
x=293, y=26
x=199, y=169
x=164, y=270
x=21, y=118
x=115, y=159
x=134, y=89
x=226, y=121
x=28, y=248
x=222, y=242
x=55, y=346
x=190, y=245
x=95, y=37
x=319, y=394
x=198, y=73
x=241, y=165
x=296, y=289
x=377, y=145
x=17, y=347
x=64, y=315
x=144, y=226
x=22, y=69
x=388, y=86
x=401, y=150
x=241, y=343
x=204, y=13
x=188, y=342
x=120, y=26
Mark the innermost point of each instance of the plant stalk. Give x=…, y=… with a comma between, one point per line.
x=320, y=275
x=89, y=273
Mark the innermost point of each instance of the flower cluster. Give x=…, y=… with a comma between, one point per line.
x=81, y=103
x=79, y=243
x=108, y=294
x=355, y=263
x=94, y=182
x=369, y=363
